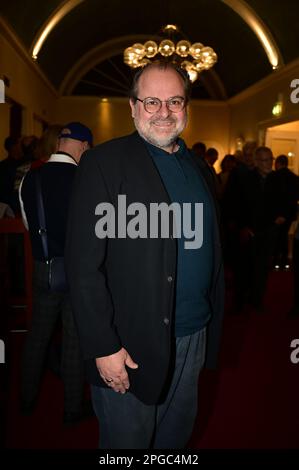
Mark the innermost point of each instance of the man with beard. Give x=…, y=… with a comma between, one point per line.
x=146, y=306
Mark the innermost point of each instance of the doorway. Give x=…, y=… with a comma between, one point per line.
x=284, y=139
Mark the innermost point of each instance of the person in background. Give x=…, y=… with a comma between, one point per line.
x=199, y=150
x=294, y=312
x=47, y=145
x=236, y=255
x=57, y=177
x=211, y=157
x=8, y=170
x=289, y=185
x=227, y=165
x=264, y=210
x=29, y=144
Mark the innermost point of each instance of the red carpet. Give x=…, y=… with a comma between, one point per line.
x=250, y=402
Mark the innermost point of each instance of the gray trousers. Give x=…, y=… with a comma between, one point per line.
x=47, y=307
x=127, y=423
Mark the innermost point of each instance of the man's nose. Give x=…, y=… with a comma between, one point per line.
x=164, y=111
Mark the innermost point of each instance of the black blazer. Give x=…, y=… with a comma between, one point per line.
x=122, y=289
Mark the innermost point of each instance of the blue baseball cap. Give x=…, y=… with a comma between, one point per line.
x=77, y=131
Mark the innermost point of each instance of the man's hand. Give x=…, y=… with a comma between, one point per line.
x=112, y=369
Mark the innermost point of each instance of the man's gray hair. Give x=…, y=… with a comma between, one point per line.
x=162, y=65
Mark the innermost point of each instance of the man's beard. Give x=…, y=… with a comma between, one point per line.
x=152, y=135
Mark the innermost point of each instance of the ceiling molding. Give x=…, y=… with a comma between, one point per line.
x=268, y=123
x=98, y=54
x=290, y=69
x=213, y=85
x=259, y=28
x=240, y=7
x=58, y=14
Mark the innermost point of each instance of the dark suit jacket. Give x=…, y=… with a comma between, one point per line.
x=123, y=289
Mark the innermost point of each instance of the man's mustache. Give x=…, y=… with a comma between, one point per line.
x=163, y=121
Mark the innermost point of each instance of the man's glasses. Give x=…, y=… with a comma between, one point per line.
x=153, y=105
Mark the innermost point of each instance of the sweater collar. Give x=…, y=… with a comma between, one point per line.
x=158, y=152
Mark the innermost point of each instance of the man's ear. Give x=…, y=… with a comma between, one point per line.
x=85, y=146
x=132, y=105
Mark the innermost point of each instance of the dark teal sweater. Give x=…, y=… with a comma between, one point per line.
x=194, y=266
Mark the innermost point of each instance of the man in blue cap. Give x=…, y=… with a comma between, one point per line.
x=56, y=178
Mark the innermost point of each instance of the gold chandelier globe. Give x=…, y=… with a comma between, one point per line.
x=194, y=58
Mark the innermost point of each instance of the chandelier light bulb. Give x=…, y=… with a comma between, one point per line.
x=139, y=50
x=193, y=74
x=166, y=48
x=151, y=49
x=182, y=48
x=195, y=50
x=129, y=55
x=199, y=65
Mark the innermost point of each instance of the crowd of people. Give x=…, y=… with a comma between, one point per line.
x=23, y=153
x=258, y=199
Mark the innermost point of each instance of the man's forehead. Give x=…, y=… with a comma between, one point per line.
x=161, y=79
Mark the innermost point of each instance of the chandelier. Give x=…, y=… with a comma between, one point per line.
x=194, y=58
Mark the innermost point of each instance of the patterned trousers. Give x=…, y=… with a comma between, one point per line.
x=47, y=307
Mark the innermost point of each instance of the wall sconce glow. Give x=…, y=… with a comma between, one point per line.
x=291, y=154
x=50, y=24
x=104, y=100
x=260, y=30
x=277, y=109
x=239, y=143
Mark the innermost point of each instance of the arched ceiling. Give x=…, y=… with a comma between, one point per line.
x=94, y=25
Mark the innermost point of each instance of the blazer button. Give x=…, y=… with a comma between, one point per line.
x=169, y=279
x=166, y=321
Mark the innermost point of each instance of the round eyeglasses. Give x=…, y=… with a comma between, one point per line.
x=153, y=105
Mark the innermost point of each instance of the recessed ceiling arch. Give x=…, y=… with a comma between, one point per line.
x=240, y=7
x=58, y=14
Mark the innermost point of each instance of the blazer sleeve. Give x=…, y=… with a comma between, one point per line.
x=85, y=263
